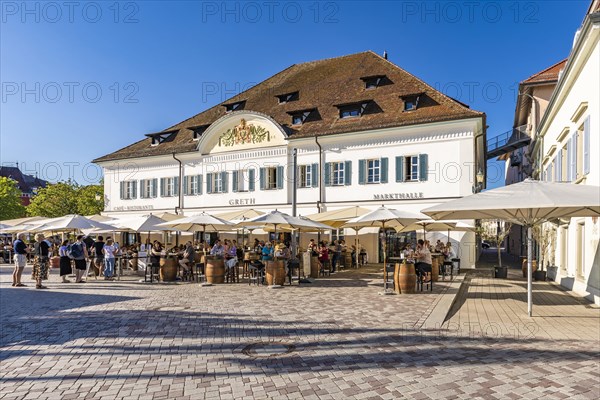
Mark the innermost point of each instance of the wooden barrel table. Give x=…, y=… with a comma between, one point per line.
x=168, y=269
x=436, y=262
x=314, y=267
x=407, y=278
x=524, y=266
x=275, y=272
x=347, y=259
x=215, y=269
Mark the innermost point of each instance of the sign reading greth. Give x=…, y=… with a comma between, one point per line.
x=244, y=133
x=398, y=196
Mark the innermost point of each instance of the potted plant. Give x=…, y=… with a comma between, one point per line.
x=495, y=231
x=544, y=235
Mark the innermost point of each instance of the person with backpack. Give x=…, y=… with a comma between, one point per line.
x=78, y=252
x=41, y=261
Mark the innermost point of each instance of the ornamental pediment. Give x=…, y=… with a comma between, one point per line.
x=243, y=130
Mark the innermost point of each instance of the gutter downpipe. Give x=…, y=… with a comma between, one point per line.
x=321, y=180
x=180, y=191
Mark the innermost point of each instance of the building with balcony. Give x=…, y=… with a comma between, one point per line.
x=365, y=131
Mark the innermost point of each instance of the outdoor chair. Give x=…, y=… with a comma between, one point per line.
x=325, y=268
x=447, y=269
x=256, y=273
x=291, y=265
x=232, y=275
x=152, y=272
x=200, y=277
x=457, y=262
x=424, y=278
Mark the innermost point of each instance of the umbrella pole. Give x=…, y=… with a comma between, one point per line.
x=357, y=252
x=385, y=282
x=529, y=272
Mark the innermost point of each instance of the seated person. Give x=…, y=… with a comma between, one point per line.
x=323, y=254
x=217, y=249
x=423, y=258
x=267, y=252
x=188, y=257
x=230, y=255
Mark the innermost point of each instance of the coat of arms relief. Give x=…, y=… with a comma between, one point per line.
x=244, y=133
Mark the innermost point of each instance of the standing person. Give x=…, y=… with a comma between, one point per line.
x=323, y=255
x=41, y=260
x=155, y=253
x=65, y=261
x=337, y=255
x=78, y=252
x=109, y=250
x=98, y=255
x=20, y=258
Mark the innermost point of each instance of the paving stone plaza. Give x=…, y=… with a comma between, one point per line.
x=333, y=339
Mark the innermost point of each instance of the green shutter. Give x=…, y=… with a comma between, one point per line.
x=423, y=167
x=314, y=175
x=586, y=146
x=162, y=187
x=224, y=179
x=134, y=184
x=251, y=180
x=280, y=172
x=122, y=190
x=348, y=173
x=209, y=183
x=327, y=174
x=383, y=176
x=263, y=184
x=199, y=184
x=176, y=186
x=235, y=177
x=400, y=169
x=186, y=184
x=362, y=168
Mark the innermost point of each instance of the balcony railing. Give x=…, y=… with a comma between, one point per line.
x=508, y=141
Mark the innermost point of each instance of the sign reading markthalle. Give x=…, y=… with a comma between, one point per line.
x=399, y=196
x=244, y=133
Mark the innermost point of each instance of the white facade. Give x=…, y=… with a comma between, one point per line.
x=446, y=151
x=571, y=152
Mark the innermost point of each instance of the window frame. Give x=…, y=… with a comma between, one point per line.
x=305, y=176
x=409, y=166
x=129, y=190
x=147, y=188
x=271, y=178
x=370, y=164
x=338, y=173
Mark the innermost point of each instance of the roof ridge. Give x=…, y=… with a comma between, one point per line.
x=544, y=70
x=336, y=58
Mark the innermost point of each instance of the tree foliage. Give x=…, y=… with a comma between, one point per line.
x=64, y=198
x=10, y=200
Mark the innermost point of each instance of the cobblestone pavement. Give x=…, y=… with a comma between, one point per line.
x=333, y=339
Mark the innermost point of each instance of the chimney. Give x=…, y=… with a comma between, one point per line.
x=385, y=54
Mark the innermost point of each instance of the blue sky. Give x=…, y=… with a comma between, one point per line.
x=80, y=81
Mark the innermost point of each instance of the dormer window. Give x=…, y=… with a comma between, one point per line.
x=352, y=110
x=198, y=131
x=300, y=116
x=411, y=102
x=373, y=82
x=238, y=105
x=160, y=137
x=286, y=98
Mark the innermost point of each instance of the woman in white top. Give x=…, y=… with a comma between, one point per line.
x=109, y=250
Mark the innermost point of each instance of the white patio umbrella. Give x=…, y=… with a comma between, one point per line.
x=526, y=203
x=144, y=223
x=239, y=215
x=381, y=217
x=429, y=225
x=196, y=223
x=71, y=222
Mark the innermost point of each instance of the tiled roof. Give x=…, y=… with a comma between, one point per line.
x=25, y=182
x=550, y=74
x=322, y=84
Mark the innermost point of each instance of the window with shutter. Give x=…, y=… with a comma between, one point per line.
x=224, y=182
x=235, y=177
x=305, y=176
x=400, y=169
x=384, y=170
x=327, y=174
x=315, y=175
x=280, y=177
x=423, y=167
x=154, y=187
x=251, y=180
x=348, y=173
x=362, y=166
x=122, y=191
x=373, y=170
x=162, y=187
x=186, y=186
x=263, y=178
x=209, y=182
x=586, y=146
x=411, y=168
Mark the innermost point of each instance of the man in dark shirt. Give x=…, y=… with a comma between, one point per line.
x=20, y=249
x=98, y=255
